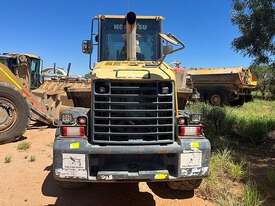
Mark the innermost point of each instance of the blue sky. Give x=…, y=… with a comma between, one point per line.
x=54, y=29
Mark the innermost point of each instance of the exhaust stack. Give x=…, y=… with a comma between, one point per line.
x=131, y=41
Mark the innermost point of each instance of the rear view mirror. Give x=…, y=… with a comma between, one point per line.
x=171, y=41
x=167, y=49
x=87, y=47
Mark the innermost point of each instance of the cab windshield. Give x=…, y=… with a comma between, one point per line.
x=113, y=40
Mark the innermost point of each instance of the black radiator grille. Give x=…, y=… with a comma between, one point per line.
x=133, y=112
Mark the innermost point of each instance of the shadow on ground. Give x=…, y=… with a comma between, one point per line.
x=260, y=159
x=161, y=190
x=18, y=139
x=259, y=164
x=101, y=194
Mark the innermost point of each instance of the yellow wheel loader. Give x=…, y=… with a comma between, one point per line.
x=128, y=126
x=19, y=73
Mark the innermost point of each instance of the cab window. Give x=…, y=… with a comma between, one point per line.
x=35, y=72
x=113, y=39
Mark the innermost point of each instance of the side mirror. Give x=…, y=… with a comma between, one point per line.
x=167, y=49
x=172, y=41
x=87, y=47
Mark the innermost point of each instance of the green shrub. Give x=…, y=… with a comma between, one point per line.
x=236, y=170
x=251, y=196
x=223, y=170
x=222, y=163
x=7, y=159
x=218, y=185
x=213, y=184
x=221, y=160
x=32, y=158
x=225, y=198
x=250, y=123
x=23, y=145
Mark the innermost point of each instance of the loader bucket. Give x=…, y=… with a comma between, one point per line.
x=81, y=97
x=57, y=88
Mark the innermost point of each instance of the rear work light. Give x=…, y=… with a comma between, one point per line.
x=82, y=120
x=181, y=121
x=190, y=130
x=73, y=131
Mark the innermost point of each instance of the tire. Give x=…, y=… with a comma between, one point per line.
x=71, y=185
x=185, y=185
x=217, y=99
x=14, y=114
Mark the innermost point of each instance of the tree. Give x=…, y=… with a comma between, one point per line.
x=265, y=80
x=255, y=20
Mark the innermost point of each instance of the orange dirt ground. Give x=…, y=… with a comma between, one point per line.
x=23, y=182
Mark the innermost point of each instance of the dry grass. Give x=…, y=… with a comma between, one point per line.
x=32, y=158
x=228, y=183
x=22, y=146
x=251, y=195
x=7, y=159
x=50, y=144
x=224, y=184
x=236, y=171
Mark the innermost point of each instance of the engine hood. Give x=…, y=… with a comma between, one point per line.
x=135, y=70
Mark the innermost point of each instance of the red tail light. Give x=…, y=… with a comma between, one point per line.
x=190, y=130
x=73, y=131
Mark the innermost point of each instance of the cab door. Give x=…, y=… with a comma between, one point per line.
x=35, y=73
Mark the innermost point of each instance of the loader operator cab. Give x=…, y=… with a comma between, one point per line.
x=131, y=37
x=26, y=66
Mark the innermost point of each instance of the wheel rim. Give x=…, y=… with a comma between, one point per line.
x=8, y=114
x=216, y=100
